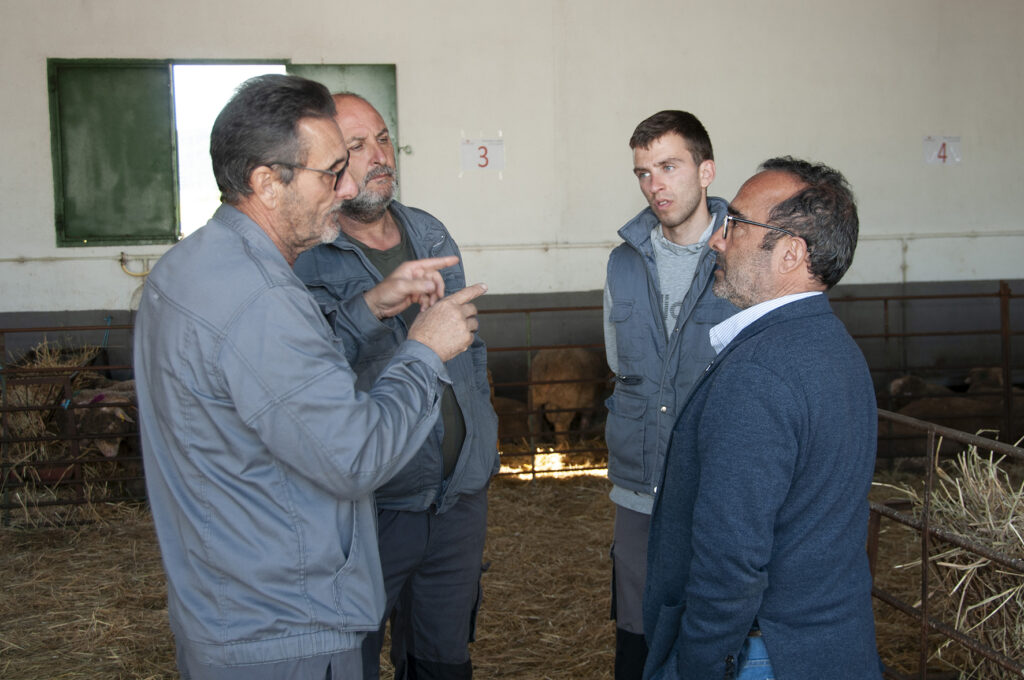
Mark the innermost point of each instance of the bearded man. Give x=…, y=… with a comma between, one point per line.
x=432, y=517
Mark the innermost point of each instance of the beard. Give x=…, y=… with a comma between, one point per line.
x=724, y=288
x=369, y=205
x=331, y=228
x=749, y=282
x=306, y=226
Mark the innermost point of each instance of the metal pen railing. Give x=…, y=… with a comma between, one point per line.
x=929, y=532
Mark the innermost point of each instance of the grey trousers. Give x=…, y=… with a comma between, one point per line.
x=629, y=574
x=432, y=567
x=629, y=564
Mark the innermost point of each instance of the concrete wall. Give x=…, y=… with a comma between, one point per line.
x=857, y=85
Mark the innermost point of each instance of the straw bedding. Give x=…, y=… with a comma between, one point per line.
x=84, y=603
x=89, y=602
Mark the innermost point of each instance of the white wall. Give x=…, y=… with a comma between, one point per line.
x=856, y=85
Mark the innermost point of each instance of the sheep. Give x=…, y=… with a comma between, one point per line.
x=580, y=371
x=906, y=388
x=115, y=421
x=967, y=413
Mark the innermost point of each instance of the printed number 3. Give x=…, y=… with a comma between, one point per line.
x=483, y=157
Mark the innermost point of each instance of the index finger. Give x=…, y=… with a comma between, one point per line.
x=435, y=263
x=468, y=293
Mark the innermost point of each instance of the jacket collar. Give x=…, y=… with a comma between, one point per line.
x=807, y=307
x=419, y=231
x=252, y=233
x=814, y=305
x=637, y=232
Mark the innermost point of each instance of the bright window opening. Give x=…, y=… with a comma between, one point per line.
x=200, y=92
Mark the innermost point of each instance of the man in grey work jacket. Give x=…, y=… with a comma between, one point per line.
x=261, y=453
x=658, y=307
x=432, y=517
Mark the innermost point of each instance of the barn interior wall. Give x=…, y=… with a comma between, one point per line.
x=563, y=82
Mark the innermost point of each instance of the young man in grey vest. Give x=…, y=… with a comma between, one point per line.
x=658, y=308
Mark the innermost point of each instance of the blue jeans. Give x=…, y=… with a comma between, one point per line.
x=754, y=663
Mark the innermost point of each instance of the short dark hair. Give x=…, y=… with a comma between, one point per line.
x=824, y=214
x=259, y=125
x=683, y=124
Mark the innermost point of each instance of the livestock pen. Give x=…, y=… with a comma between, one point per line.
x=84, y=592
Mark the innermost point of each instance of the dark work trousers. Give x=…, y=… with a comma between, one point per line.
x=629, y=573
x=339, y=666
x=432, y=567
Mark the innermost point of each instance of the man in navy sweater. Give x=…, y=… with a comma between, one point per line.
x=756, y=561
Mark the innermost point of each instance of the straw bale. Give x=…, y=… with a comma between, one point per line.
x=976, y=498
x=38, y=474
x=18, y=392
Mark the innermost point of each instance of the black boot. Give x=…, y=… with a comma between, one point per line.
x=419, y=669
x=630, y=655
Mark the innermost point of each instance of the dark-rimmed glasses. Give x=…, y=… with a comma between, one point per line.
x=336, y=174
x=733, y=218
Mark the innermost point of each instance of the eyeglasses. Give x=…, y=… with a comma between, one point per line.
x=336, y=174
x=733, y=218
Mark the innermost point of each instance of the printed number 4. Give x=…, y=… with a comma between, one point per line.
x=941, y=155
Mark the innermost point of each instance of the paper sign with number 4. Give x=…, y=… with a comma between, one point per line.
x=941, y=150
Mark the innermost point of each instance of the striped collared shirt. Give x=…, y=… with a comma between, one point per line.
x=723, y=333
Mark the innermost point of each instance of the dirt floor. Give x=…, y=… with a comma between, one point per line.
x=89, y=603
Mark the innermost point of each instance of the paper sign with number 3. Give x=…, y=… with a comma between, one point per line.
x=483, y=154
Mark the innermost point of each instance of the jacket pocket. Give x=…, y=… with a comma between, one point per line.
x=621, y=310
x=661, y=657
x=358, y=595
x=627, y=330
x=624, y=435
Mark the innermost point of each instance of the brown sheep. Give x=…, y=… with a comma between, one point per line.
x=562, y=402
x=987, y=383
x=907, y=388
x=970, y=414
x=109, y=410
x=984, y=379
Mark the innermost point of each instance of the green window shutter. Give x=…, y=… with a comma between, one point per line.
x=113, y=145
